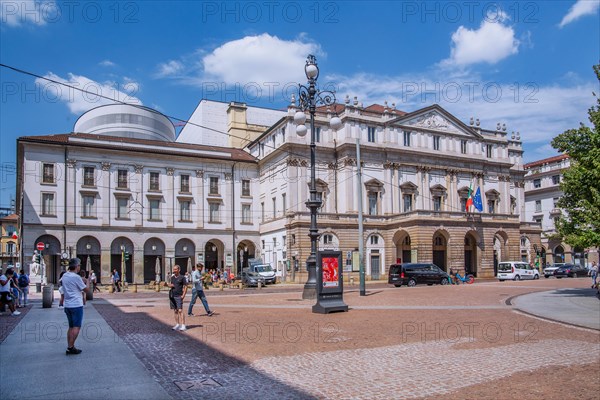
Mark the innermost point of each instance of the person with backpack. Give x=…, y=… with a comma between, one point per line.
x=24, y=288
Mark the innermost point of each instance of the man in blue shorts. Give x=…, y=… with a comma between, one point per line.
x=74, y=289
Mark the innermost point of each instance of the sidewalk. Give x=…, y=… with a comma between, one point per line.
x=33, y=364
x=578, y=307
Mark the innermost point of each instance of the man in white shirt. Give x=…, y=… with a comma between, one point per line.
x=73, y=287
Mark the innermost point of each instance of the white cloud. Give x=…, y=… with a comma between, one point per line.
x=580, y=9
x=80, y=102
x=107, y=63
x=170, y=69
x=262, y=58
x=15, y=13
x=492, y=42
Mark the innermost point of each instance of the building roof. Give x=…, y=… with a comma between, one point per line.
x=143, y=145
x=10, y=217
x=338, y=108
x=546, y=161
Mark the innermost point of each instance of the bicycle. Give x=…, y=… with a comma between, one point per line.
x=468, y=279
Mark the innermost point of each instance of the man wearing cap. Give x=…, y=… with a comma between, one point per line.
x=73, y=287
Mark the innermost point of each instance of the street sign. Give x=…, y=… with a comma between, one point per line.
x=40, y=246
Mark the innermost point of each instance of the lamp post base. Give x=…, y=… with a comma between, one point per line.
x=309, y=292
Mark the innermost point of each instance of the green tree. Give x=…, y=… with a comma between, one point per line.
x=580, y=227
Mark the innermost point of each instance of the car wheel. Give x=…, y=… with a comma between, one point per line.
x=517, y=278
x=536, y=276
x=444, y=281
x=398, y=285
x=412, y=282
x=546, y=276
x=501, y=280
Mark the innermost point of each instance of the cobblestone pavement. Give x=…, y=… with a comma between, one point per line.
x=395, y=343
x=8, y=322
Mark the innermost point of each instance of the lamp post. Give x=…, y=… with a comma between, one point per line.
x=308, y=98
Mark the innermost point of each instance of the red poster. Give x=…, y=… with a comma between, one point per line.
x=330, y=268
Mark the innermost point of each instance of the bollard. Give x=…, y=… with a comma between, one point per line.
x=221, y=288
x=157, y=287
x=89, y=294
x=259, y=285
x=111, y=288
x=47, y=296
x=38, y=287
x=135, y=288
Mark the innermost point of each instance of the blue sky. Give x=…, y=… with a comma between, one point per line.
x=527, y=64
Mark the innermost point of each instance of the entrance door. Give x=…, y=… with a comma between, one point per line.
x=375, y=270
x=439, y=259
x=468, y=262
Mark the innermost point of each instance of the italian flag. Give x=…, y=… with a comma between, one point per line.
x=15, y=235
x=469, y=198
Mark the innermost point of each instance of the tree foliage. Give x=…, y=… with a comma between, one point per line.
x=580, y=227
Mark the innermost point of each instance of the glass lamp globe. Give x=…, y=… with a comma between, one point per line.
x=299, y=118
x=335, y=123
x=301, y=130
x=311, y=71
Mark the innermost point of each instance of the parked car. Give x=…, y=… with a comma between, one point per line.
x=549, y=270
x=411, y=274
x=571, y=271
x=516, y=270
x=250, y=278
x=264, y=270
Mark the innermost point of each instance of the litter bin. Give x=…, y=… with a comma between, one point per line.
x=38, y=287
x=89, y=294
x=47, y=295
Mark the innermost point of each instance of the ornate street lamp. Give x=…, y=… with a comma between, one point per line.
x=308, y=99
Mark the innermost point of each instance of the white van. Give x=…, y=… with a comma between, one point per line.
x=265, y=271
x=516, y=270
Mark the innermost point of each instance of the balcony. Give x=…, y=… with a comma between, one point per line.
x=556, y=211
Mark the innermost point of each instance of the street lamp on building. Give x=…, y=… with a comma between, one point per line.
x=308, y=98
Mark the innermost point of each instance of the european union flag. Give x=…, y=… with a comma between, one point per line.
x=477, y=200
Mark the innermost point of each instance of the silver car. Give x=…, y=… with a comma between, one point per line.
x=252, y=278
x=549, y=270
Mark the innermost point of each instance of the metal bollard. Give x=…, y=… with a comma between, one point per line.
x=38, y=287
x=47, y=296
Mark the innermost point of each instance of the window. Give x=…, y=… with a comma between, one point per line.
x=11, y=248
x=274, y=207
x=555, y=179
x=154, y=210
x=184, y=183
x=407, y=202
x=122, y=208
x=317, y=134
x=436, y=142
x=491, y=206
x=374, y=239
x=262, y=212
x=463, y=146
x=262, y=244
x=213, y=212
x=246, y=218
x=327, y=239
x=555, y=202
x=154, y=181
x=437, y=203
x=122, y=179
x=184, y=210
x=88, y=176
x=293, y=238
x=283, y=203
x=538, y=220
x=537, y=183
x=48, y=173
x=245, y=187
x=463, y=204
x=214, y=185
x=373, y=203
x=48, y=205
x=407, y=139
x=371, y=134
x=88, y=210
x=283, y=134
x=488, y=151
x=538, y=206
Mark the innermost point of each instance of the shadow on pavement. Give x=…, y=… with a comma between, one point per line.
x=576, y=292
x=188, y=368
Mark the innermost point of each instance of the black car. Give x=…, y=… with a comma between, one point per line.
x=571, y=271
x=411, y=274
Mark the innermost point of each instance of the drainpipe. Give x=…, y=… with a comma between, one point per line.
x=233, y=250
x=335, y=175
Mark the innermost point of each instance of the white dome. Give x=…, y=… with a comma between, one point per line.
x=127, y=121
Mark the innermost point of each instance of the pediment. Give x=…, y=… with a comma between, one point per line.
x=436, y=119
